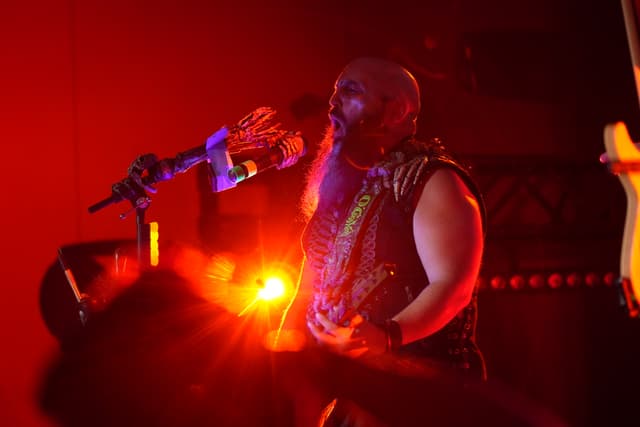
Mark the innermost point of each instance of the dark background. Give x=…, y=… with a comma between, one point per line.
x=520, y=91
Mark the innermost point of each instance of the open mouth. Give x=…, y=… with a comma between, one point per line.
x=336, y=122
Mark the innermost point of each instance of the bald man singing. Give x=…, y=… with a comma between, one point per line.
x=394, y=237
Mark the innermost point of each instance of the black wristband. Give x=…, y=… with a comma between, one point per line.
x=394, y=335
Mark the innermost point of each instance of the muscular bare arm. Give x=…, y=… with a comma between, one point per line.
x=448, y=235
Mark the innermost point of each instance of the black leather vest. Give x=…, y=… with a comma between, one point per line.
x=385, y=243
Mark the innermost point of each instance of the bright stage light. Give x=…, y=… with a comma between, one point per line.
x=269, y=288
x=273, y=288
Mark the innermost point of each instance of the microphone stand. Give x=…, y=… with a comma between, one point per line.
x=143, y=237
x=129, y=190
x=132, y=188
x=254, y=130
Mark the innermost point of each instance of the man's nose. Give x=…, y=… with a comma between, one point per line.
x=334, y=100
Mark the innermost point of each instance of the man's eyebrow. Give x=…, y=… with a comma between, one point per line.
x=349, y=83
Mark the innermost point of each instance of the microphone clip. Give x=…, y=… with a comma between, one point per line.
x=219, y=161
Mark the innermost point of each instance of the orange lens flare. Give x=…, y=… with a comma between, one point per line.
x=275, y=286
x=273, y=289
x=242, y=288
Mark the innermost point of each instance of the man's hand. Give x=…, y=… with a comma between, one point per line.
x=353, y=341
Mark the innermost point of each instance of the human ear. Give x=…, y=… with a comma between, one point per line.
x=396, y=112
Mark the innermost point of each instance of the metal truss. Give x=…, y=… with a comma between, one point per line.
x=549, y=214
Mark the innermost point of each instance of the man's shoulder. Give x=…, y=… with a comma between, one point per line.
x=438, y=167
x=413, y=164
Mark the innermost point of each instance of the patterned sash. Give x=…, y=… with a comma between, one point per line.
x=335, y=288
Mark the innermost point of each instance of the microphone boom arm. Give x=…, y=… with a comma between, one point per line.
x=256, y=130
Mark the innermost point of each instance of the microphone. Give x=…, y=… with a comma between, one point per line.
x=285, y=152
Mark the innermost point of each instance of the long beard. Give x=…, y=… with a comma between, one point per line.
x=323, y=189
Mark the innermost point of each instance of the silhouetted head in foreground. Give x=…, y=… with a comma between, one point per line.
x=161, y=356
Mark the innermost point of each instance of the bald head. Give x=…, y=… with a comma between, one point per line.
x=392, y=81
x=374, y=106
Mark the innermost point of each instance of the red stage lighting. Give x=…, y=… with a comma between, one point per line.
x=498, y=283
x=517, y=282
x=574, y=280
x=555, y=280
x=536, y=281
x=591, y=280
